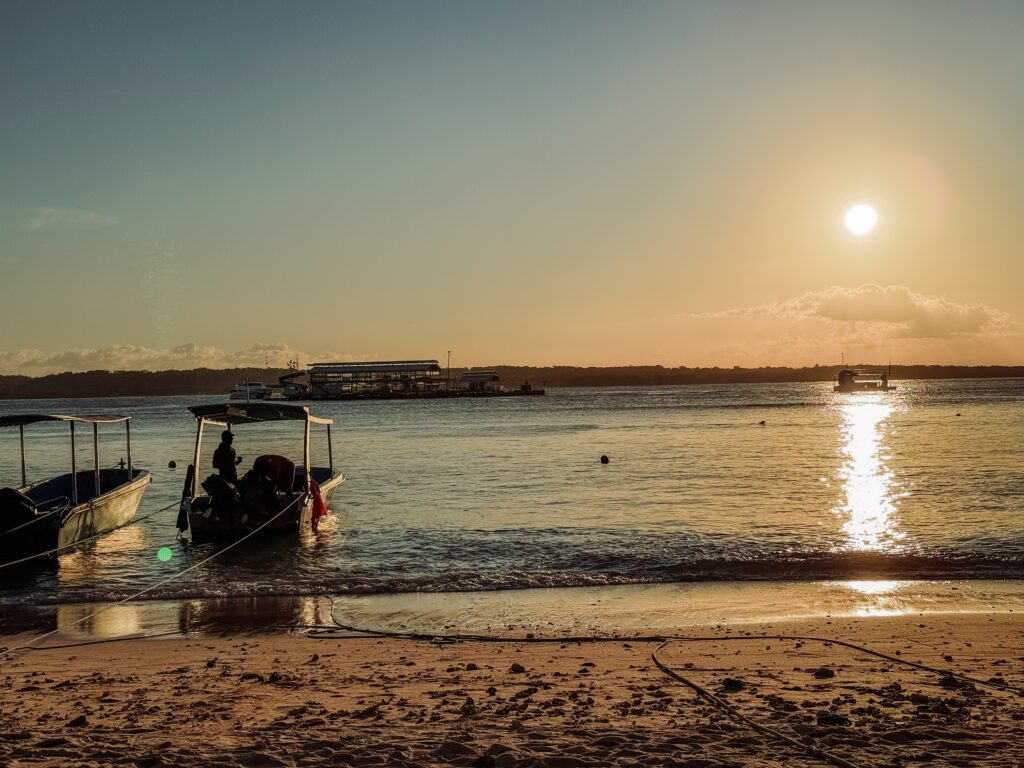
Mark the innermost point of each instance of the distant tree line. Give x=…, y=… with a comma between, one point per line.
x=654, y=375
x=201, y=381
x=218, y=382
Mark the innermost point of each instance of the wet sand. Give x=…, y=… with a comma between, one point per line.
x=290, y=700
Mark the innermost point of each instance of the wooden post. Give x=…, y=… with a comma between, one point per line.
x=74, y=469
x=21, y=437
x=96, y=455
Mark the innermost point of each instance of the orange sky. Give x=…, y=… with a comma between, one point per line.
x=536, y=183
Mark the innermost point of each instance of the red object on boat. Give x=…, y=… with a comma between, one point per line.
x=319, y=508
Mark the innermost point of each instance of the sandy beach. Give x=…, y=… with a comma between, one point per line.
x=292, y=700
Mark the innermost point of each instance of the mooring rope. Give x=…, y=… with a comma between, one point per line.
x=160, y=583
x=69, y=547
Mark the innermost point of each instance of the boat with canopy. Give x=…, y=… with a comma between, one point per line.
x=66, y=509
x=277, y=495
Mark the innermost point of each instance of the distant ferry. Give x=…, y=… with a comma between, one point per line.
x=250, y=390
x=849, y=380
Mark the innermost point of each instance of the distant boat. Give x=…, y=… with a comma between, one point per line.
x=66, y=509
x=250, y=390
x=278, y=494
x=850, y=380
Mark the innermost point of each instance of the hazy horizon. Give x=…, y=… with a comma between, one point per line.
x=573, y=183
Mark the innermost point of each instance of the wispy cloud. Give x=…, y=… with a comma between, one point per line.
x=48, y=217
x=902, y=312
x=122, y=357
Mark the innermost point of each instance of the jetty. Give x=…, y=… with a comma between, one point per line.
x=393, y=380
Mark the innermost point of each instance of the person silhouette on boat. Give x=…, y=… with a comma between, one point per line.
x=224, y=458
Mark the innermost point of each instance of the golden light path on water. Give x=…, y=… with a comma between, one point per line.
x=868, y=511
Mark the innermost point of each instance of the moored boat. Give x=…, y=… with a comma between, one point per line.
x=277, y=495
x=849, y=380
x=64, y=510
x=250, y=390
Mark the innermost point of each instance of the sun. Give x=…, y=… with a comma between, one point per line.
x=861, y=219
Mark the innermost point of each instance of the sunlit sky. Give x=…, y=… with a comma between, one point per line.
x=555, y=182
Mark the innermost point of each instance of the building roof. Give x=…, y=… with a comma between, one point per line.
x=252, y=413
x=383, y=366
x=22, y=419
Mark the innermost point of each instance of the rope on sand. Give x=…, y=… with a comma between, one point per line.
x=811, y=750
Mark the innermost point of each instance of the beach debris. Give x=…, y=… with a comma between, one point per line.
x=78, y=722
x=604, y=459
x=172, y=464
x=732, y=685
x=823, y=673
x=471, y=667
x=484, y=761
x=517, y=668
x=763, y=423
x=829, y=718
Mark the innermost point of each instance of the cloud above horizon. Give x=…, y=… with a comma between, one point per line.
x=51, y=217
x=893, y=309
x=121, y=357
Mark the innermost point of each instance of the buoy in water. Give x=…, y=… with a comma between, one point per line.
x=604, y=459
x=172, y=464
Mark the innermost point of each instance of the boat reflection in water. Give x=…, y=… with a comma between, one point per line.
x=89, y=620
x=869, y=507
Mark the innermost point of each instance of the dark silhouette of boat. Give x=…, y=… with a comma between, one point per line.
x=61, y=511
x=851, y=380
x=278, y=495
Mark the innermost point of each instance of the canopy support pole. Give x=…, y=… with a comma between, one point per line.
x=330, y=450
x=21, y=438
x=96, y=455
x=195, y=458
x=128, y=439
x=305, y=455
x=74, y=468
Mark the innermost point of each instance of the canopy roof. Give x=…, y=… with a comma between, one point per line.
x=382, y=366
x=252, y=413
x=23, y=419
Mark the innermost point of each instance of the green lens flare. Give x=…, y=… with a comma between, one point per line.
x=164, y=554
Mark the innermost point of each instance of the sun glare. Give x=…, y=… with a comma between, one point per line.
x=861, y=219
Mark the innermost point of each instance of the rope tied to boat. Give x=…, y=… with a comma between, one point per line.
x=162, y=582
x=73, y=545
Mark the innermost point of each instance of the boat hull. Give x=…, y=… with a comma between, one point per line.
x=104, y=513
x=296, y=522
x=63, y=529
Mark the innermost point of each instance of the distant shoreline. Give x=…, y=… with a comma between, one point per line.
x=207, y=381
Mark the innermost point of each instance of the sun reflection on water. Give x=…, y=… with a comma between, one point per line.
x=868, y=510
x=872, y=598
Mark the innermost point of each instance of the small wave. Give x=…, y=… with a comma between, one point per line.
x=824, y=567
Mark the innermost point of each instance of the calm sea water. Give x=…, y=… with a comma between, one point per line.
x=457, y=495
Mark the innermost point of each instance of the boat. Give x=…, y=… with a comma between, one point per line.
x=850, y=380
x=63, y=510
x=277, y=495
x=250, y=390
